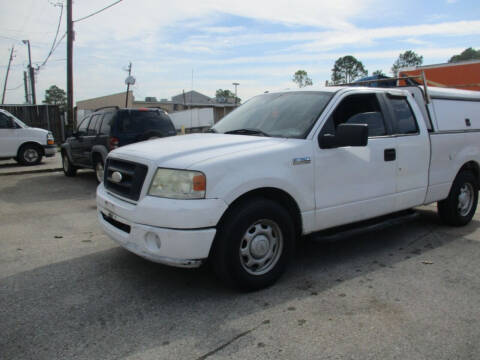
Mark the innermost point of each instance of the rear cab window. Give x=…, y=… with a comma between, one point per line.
x=141, y=121
x=403, y=119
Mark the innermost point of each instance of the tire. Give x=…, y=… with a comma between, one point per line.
x=30, y=154
x=68, y=168
x=458, y=209
x=253, y=244
x=99, y=169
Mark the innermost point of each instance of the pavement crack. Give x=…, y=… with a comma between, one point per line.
x=224, y=345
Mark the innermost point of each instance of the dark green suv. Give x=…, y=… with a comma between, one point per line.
x=109, y=128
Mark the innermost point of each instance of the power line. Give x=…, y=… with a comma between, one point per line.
x=52, y=49
x=99, y=11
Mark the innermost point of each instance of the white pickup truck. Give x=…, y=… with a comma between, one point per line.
x=287, y=164
x=25, y=144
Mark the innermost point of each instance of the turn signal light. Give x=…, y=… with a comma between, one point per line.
x=199, y=183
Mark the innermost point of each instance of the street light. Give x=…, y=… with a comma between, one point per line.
x=235, y=84
x=31, y=72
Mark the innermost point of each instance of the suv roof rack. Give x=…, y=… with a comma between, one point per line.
x=107, y=107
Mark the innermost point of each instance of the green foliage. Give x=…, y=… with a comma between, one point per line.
x=347, y=69
x=302, y=79
x=227, y=94
x=378, y=73
x=407, y=59
x=55, y=96
x=467, y=54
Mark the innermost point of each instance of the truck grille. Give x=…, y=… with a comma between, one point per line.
x=125, y=178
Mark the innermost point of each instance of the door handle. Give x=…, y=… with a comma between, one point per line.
x=389, y=155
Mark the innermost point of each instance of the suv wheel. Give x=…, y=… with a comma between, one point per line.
x=253, y=244
x=99, y=170
x=29, y=155
x=68, y=168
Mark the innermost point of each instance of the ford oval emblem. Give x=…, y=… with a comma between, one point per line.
x=117, y=177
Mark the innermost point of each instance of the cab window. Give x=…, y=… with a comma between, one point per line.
x=94, y=123
x=358, y=109
x=82, y=128
x=404, y=122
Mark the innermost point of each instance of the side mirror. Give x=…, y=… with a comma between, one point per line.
x=346, y=135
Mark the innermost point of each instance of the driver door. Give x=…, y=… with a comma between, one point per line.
x=355, y=183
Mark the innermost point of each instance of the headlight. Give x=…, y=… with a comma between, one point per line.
x=178, y=184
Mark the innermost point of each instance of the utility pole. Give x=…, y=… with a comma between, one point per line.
x=6, y=76
x=31, y=72
x=25, y=84
x=235, y=84
x=70, y=38
x=128, y=81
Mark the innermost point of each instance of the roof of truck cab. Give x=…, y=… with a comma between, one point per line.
x=435, y=92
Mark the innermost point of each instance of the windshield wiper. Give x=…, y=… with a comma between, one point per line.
x=247, y=131
x=211, y=130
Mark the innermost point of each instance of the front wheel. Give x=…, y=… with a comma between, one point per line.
x=99, y=170
x=460, y=206
x=30, y=155
x=253, y=244
x=68, y=168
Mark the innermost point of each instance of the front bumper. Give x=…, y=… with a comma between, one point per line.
x=49, y=150
x=180, y=247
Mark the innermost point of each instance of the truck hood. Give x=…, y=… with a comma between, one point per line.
x=183, y=152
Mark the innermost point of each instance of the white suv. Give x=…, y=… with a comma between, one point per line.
x=25, y=144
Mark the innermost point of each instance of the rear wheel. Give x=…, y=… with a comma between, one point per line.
x=460, y=206
x=253, y=244
x=99, y=169
x=68, y=168
x=30, y=155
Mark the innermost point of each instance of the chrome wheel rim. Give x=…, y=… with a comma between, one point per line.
x=261, y=247
x=30, y=155
x=465, y=199
x=99, y=171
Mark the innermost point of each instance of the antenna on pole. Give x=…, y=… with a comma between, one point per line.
x=130, y=80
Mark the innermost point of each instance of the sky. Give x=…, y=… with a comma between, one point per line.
x=209, y=44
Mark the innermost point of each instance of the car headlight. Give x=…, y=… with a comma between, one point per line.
x=178, y=184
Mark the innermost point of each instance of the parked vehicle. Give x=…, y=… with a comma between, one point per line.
x=288, y=164
x=107, y=129
x=27, y=145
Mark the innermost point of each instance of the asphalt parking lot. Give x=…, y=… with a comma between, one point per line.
x=409, y=289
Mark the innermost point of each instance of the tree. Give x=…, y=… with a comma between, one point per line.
x=378, y=73
x=408, y=58
x=467, y=54
x=347, y=69
x=55, y=96
x=226, y=94
x=302, y=79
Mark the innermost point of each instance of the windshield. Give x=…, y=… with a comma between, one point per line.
x=20, y=122
x=290, y=114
